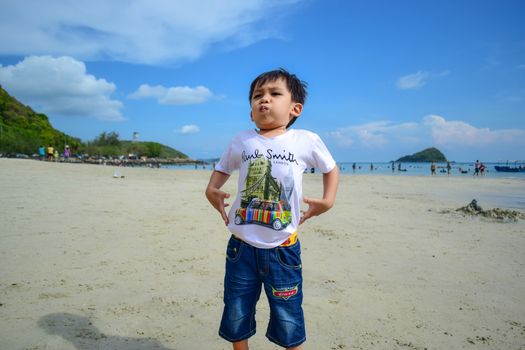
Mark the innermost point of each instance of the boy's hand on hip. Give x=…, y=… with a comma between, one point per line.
x=216, y=198
x=315, y=207
x=319, y=206
x=215, y=195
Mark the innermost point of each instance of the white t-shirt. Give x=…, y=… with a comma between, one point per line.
x=267, y=207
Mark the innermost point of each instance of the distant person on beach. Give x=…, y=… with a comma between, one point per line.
x=476, y=168
x=449, y=167
x=353, y=167
x=482, y=168
x=264, y=250
x=42, y=152
x=67, y=153
x=50, y=153
x=371, y=166
x=433, y=169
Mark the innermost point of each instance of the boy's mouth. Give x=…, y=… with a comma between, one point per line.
x=264, y=108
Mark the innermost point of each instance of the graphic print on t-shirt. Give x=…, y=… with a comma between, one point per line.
x=265, y=200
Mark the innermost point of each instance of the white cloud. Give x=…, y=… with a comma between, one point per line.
x=341, y=138
x=417, y=80
x=371, y=135
x=61, y=86
x=189, y=129
x=177, y=95
x=460, y=133
x=432, y=130
x=412, y=81
x=135, y=31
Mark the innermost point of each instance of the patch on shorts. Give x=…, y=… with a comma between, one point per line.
x=285, y=293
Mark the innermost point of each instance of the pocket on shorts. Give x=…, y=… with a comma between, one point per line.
x=233, y=250
x=290, y=257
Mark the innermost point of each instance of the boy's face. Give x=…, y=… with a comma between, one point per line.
x=272, y=105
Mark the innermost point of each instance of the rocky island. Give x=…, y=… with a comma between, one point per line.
x=431, y=154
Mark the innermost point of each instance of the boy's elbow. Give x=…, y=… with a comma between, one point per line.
x=331, y=202
x=208, y=192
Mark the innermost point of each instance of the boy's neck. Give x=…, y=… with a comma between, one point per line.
x=272, y=132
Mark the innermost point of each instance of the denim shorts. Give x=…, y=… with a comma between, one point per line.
x=279, y=271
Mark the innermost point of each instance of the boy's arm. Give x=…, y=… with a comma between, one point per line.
x=319, y=206
x=215, y=195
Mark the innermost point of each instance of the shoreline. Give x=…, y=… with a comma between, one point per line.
x=381, y=168
x=139, y=162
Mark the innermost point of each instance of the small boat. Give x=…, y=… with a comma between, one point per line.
x=510, y=169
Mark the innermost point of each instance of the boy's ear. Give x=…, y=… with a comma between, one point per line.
x=297, y=109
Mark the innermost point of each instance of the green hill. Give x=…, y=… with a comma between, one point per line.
x=23, y=130
x=108, y=144
x=428, y=155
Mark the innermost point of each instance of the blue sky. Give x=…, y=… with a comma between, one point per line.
x=386, y=78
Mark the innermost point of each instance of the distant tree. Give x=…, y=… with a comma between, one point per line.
x=154, y=149
x=106, y=139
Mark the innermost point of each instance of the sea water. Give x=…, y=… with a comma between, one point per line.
x=385, y=168
x=423, y=169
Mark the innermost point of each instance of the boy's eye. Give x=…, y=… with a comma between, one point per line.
x=276, y=93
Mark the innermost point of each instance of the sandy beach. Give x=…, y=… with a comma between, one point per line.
x=90, y=261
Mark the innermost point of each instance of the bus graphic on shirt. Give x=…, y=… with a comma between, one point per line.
x=264, y=199
x=276, y=214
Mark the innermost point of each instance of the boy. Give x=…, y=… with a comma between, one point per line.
x=263, y=249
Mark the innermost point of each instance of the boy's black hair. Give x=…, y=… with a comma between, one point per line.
x=296, y=86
